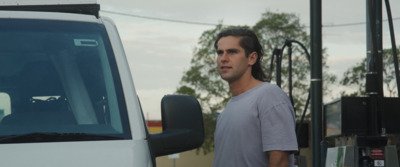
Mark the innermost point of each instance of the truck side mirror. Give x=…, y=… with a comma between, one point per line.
x=182, y=123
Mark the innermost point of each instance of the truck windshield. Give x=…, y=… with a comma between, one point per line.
x=61, y=78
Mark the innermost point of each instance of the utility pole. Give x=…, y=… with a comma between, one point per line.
x=374, y=76
x=316, y=81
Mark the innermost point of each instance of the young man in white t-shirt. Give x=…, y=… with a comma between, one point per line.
x=257, y=127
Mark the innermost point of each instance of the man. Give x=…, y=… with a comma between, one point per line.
x=257, y=127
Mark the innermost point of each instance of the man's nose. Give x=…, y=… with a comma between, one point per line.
x=224, y=57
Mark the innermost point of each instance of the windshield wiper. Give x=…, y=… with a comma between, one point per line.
x=55, y=137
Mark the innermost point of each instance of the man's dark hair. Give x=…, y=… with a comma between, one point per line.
x=250, y=43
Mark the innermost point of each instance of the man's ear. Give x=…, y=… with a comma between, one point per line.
x=253, y=56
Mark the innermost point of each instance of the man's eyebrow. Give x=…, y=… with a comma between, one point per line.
x=232, y=50
x=227, y=50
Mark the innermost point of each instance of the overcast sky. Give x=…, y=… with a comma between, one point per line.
x=160, y=51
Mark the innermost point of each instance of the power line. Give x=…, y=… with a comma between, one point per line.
x=213, y=24
x=353, y=24
x=159, y=19
x=343, y=25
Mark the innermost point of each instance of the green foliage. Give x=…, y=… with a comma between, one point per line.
x=202, y=77
x=354, y=77
x=203, y=81
x=273, y=30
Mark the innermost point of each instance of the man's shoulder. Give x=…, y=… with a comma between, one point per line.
x=271, y=93
x=270, y=88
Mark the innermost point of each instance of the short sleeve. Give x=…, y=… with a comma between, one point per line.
x=278, y=125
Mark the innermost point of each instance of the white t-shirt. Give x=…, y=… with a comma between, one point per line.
x=259, y=120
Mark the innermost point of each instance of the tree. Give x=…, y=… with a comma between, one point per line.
x=203, y=81
x=274, y=29
x=354, y=77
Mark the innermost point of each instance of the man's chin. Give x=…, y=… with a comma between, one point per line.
x=227, y=79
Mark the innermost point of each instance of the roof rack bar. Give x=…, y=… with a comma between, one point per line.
x=90, y=9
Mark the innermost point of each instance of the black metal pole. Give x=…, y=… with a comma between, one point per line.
x=279, y=68
x=290, y=50
x=316, y=81
x=374, y=76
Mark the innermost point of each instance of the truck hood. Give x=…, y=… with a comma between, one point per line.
x=122, y=153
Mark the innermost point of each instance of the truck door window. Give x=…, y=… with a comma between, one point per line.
x=65, y=79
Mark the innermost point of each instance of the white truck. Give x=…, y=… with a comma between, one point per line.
x=67, y=98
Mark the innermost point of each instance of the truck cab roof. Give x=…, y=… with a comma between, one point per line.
x=89, y=7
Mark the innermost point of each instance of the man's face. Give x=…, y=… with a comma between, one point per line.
x=232, y=61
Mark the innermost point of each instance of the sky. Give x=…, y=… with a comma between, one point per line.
x=159, y=51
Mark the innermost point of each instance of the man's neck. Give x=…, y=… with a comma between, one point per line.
x=240, y=87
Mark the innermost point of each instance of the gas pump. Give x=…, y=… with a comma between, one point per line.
x=347, y=127
x=360, y=129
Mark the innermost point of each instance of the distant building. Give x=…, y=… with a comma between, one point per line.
x=154, y=126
